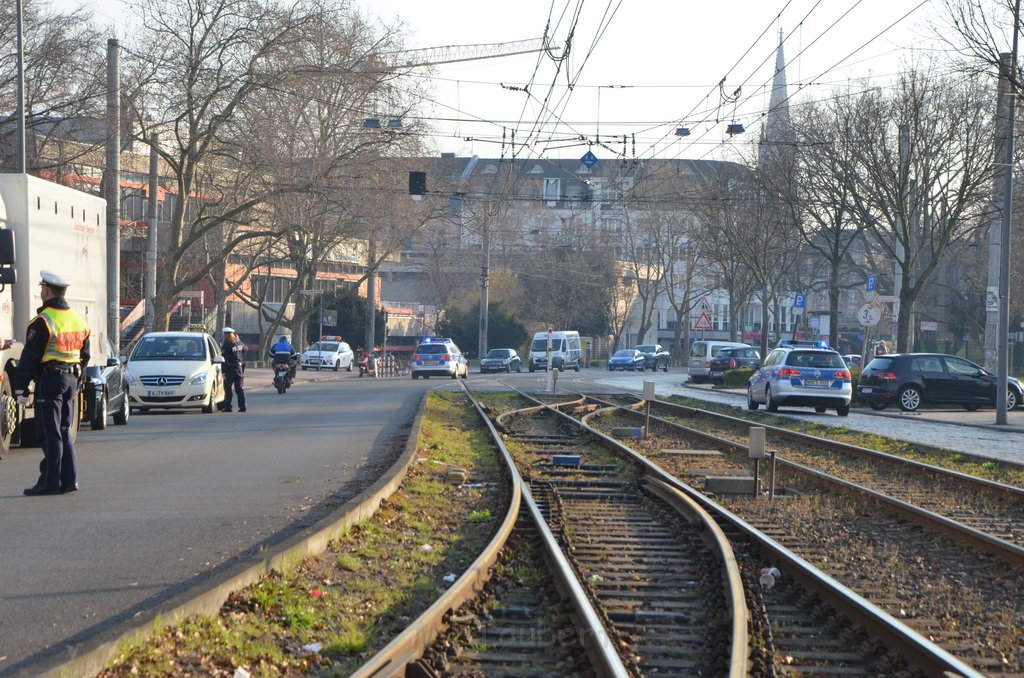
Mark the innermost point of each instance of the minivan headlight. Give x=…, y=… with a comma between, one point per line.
x=199, y=379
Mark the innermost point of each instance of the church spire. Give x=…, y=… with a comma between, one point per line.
x=777, y=129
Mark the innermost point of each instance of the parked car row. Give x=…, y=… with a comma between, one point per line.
x=802, y=373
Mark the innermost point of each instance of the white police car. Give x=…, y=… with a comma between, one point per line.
x=330, y=353
x=803, y=374
x=438, y=357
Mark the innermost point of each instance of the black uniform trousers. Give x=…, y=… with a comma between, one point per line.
x=56, y=404
x=236, y=381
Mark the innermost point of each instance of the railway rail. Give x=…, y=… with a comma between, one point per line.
x=672, y=600
x=937, y=575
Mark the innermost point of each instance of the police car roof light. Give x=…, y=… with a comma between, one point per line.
x=803, y=343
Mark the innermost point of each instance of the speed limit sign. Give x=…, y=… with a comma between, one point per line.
x=869, y=315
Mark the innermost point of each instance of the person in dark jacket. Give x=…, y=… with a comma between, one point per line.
x=56, y=354
x=234, y=370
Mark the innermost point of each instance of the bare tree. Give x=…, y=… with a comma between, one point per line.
x=978, y=30
x=307, y=132
x=196, y=64
x=824, y=166
x=722, y=226
x=930, y=190
x=65, y=85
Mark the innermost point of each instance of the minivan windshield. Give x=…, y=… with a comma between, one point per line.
x=541, y=345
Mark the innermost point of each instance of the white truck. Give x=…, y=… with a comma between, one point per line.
x=44, y=225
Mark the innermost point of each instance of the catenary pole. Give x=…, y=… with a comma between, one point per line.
x=152, y=215
x=1009, y=66
x=112, y=193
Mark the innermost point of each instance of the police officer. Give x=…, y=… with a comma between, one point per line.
x=234, y=370
x=56, y=354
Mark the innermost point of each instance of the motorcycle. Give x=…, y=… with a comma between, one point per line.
x=282, y=371
x=367, y=365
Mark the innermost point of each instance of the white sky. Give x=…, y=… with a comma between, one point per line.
x=639, y=67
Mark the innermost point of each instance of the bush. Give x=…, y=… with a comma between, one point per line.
x=737, y=378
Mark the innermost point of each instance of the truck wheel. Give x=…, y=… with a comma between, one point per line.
x=8, y=416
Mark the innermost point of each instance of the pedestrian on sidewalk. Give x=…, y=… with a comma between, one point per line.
x=234, y=370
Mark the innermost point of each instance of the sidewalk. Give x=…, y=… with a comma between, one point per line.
x=984, y=417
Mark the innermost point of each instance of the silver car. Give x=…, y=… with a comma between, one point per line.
x=438, y=357
x=804, y=377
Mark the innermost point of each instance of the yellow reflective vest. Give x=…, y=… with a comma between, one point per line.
x=68, y=333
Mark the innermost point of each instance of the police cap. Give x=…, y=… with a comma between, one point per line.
x=51, y=279
x=228, y=330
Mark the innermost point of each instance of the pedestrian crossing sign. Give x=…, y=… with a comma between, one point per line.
x=703, y=322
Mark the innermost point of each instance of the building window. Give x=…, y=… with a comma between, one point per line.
x=552, y=191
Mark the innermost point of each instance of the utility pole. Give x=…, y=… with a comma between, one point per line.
x=485, y=283
x=371, y=296
x=1009, y=72
x=112, y=193
x=901, y=256
x=152, y=214
x=21, y=89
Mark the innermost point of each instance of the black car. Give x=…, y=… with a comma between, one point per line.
x=655, y=357
x=501, y=360
x=731, y=359
x=911, y=380
x=106, y=392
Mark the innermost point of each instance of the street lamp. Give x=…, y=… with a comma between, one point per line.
x=309, y=293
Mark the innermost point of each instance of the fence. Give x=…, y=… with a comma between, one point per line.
x=390, y=365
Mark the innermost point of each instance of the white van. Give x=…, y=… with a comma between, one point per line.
x=701, y=353
x=566, y=351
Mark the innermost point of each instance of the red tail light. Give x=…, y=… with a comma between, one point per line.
x=887, y=376
x=416, y=356
x=707, y=364
x=789, y=372
x=444, y=356
x=732, y=363
x=842, y=374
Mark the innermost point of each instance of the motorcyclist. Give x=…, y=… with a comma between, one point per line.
x=283, y=351
x=367, y=363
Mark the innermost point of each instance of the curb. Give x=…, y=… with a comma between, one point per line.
x=91, y=657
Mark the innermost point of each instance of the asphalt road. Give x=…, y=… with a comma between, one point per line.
x=171, y=497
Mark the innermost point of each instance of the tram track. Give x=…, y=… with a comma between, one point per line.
x=816, y=626
x=914, y=560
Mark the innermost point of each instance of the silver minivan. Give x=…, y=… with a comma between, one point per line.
x=701, y=353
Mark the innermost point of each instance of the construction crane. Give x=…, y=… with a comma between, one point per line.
x=449, y=54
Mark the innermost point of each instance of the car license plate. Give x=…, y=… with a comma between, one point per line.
x=865, y=389
x=159, y=393
x=816, y=382
x=716, y=374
